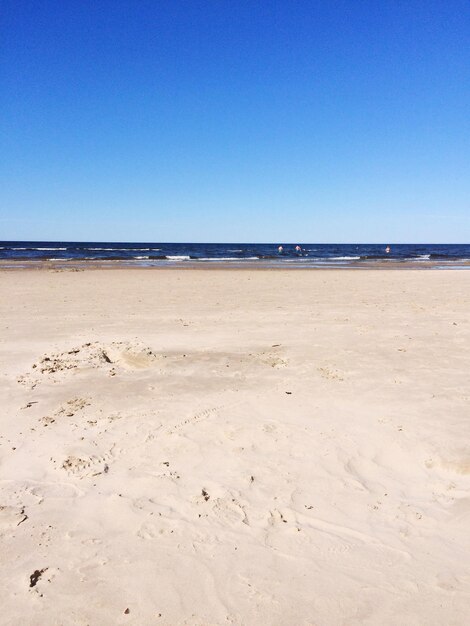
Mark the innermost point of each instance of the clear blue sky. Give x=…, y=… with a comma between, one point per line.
x=231, y=120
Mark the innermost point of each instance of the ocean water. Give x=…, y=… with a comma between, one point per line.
x=311, y=255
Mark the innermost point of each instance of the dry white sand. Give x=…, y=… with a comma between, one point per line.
x=235, y=447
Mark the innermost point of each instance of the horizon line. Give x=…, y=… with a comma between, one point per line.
x=276, y=242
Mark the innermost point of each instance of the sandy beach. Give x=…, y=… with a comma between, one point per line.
x=208, y=447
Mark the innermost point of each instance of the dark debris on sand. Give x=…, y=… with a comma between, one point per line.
x=35, y=576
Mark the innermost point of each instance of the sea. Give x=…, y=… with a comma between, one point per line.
x=159, y=254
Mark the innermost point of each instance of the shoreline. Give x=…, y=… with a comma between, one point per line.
x=395, y=265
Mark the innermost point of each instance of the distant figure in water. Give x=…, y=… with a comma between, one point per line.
x=280, y=249
x=387, y=250
x=298, y=249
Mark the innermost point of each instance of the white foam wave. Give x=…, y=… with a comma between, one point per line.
x=343, y=258
x=229, y=258
x=299, y=260
x=119, y=249
x=34, y=248
x=177, y=257
x=418, y=258
x=141, y=257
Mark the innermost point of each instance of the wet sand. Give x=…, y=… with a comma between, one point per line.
x=74, y=265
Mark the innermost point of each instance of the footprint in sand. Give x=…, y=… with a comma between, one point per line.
x=69, y=409
x=271, y=358
x=85, y=466
x=149, y=531
x=226, y=510
x=194, y=419
x=330, y=374
x=229, y=511
x=30, y=493
x=276, y=517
